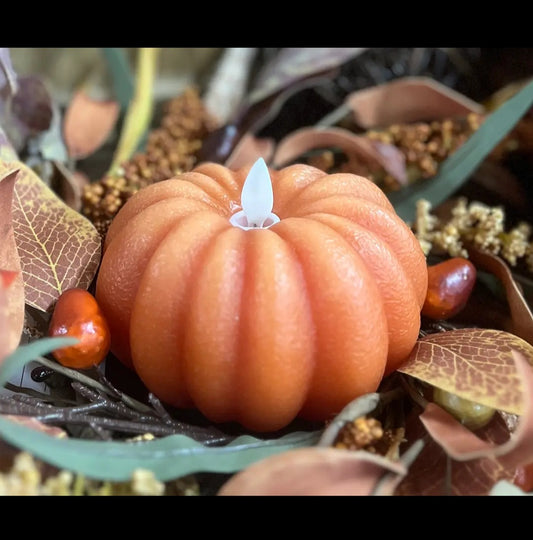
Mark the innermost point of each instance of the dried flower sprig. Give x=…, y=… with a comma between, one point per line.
x=25, y=477
x=362, y=433
x=426, y=145
x=171, y=149
x=476, y=224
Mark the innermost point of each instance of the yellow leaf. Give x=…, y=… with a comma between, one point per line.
x=58, y=248
x=475, y=364
x=139, y=111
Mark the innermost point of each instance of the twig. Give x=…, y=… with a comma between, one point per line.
x=125, y=414
x=160, y=410
x=88, y=381
x=112, y=406
x=70, y=414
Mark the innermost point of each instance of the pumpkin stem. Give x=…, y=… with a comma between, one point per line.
x=257, y=200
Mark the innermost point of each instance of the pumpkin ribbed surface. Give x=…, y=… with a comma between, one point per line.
x=261, y=326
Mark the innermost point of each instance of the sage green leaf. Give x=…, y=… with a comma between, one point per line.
x=120, y=70
x=26, y=353
x=456, y=170
x=168, y=458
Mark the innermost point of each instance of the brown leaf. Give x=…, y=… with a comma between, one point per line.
x=293, y=64
x=59, y=249
x=313, y=471
x=361, y=149
x=248, y=150
x=522, y=318
x=435, y=474
x=88, y=123
x=409, y=99
x=475, y=364
x=11, y=288
x=463, y=445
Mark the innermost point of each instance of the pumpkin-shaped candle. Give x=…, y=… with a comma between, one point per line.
x=259, y=295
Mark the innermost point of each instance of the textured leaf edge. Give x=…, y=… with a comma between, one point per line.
x=168, y=458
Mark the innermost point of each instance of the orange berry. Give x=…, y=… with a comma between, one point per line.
x=77, y=314
x=450, y=284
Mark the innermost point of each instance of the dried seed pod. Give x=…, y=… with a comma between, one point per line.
x=471, y=414
x=77, y=314
x=450, y=284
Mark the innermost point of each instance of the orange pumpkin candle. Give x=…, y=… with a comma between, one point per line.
x=259, y=312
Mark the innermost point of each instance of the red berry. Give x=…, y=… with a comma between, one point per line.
x=77, y=314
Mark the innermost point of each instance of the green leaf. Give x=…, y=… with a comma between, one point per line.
x=119, y=69
x=168, y=458
x=456, y=170
x=26, y=353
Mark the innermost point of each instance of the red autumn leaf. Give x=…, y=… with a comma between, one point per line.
x=59, y=249
x=7, y=277
x=9, y=335
x=88, y=123
x=409, y=99
x=313, y=471
x=522, y=318
x=11, y=285
x=475, y=364
x=373, y=156
x=464, y=445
